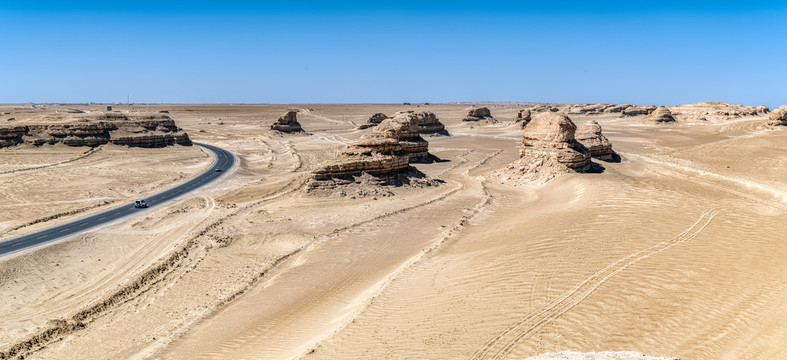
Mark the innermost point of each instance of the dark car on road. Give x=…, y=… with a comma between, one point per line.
x=140, y=204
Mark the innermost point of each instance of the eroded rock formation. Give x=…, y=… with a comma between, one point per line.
x=635, y=110
x=373, y=121
x=549, y=148
x=523, y=117
x=661, y=115
x=479, y=114
x=377, y=158
x=427, y=121
x=143, y=130
x=288, y=122
x=416, y=147
x=590, y=136
x=778, y=117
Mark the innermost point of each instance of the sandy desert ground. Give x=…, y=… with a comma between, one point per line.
x=676, y=250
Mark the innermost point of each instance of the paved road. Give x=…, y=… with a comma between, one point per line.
x=224, y=161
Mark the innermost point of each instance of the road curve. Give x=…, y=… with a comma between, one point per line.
x=224, y=161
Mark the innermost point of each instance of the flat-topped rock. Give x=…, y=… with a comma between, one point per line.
x=590, y=136
x=376, y=159
x=635, y=110
x=778, y=117
x=288, y=122
x=479, y=114
x=662, y=115
x=94, y=129
x=428, y=123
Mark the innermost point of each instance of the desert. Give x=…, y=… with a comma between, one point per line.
x=673, y=250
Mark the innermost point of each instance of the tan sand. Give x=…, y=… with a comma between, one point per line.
x=675, y=251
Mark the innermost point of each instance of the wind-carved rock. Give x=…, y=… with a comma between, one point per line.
x=376, y=159
x=479, y=114
x=635, y=110
x=427, y=121
x=661, y=115
x=288, y=122
x=549, y=148
x=373, y=121
x=416, y=147
x=778, y=117
x=523, y=117
x=142, y=130
x=590, y=136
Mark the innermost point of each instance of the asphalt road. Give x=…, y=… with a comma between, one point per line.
x=224, y=161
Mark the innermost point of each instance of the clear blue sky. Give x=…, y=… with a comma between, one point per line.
x=665, y=52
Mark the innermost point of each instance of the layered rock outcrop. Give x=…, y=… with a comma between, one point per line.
x=479, y=114
x=411, y=141
x=778, y=117
x=143, y=130
x=549, y=148
x=590, y=136
x=377, y=158
x=288, y=123
x=427, y=121
x=661, y=115
x=523, y=117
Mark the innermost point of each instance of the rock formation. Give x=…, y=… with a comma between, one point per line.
x=661, y=115
x=635, y=110
x=373, y=121
x=143, y=130
x=427, y=121
x=589, y=135
x=523, y=117
x=778, y=117
x=603, y=355
x=377, y=158
x=416, y=147
x=549, y=148
x=479, y=114
x=716, y=111
x=288, y=123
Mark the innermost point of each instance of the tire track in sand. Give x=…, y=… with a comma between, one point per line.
x=501, y=345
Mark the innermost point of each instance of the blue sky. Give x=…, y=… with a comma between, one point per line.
x=667, y=52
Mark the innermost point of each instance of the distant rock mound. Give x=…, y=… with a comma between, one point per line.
x=549, y=148
x=479, y=114
x=590, y=136
x=523, y=117
x=288, y=123
x=716, y=111
x=94, y=129
x=428, y=123
x=661, y=115
x=778, y=117
x=373, y=121
x=376, y=159
x=604, y=355
x=635, y=110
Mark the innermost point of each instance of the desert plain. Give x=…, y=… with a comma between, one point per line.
x=676, y=249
